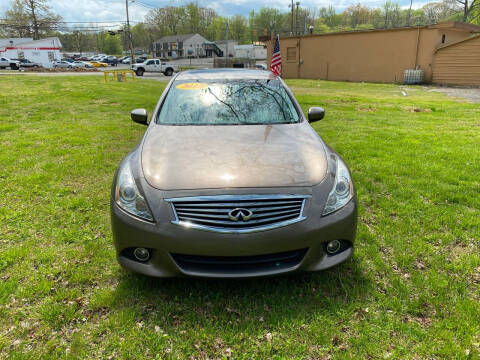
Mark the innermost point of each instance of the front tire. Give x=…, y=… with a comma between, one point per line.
x=168, y=72
x=140, y=72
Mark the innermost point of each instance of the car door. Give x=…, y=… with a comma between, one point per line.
x=150, y=65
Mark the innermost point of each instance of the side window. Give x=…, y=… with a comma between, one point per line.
x=150, y=62
x=157, y=62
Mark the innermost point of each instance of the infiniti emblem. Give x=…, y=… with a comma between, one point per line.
x=238, y=213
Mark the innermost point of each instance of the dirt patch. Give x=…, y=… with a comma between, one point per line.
x=366, y=109
x=416, y=109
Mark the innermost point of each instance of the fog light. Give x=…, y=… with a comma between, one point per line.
x=141, y=254
x=333, y=246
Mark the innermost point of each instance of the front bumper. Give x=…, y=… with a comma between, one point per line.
x=164, y=239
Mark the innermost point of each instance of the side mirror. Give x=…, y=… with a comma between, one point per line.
x=315, y=114
x=140, y=116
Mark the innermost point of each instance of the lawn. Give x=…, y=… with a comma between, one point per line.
x=411, y=291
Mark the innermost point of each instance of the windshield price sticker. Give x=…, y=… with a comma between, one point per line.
x=192, y=86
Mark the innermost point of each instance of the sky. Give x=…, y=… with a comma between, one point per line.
x=114, y=10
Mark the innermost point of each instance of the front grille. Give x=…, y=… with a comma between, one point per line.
x=238, y=213
x=235, y=265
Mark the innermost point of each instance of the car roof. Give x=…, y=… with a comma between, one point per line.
x=214, y=74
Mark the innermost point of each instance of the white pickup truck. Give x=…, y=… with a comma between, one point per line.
x=12, y=64
x=154, y=65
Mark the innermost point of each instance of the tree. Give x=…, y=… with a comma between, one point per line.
x=268, y=20
x=392, y=14
x=468, y=8
x=356, y=15
x=31, y=18
x=329, y=17
x=238, y=29
x=437, y=11
x=112, y=45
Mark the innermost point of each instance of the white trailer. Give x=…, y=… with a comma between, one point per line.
x=44, y=52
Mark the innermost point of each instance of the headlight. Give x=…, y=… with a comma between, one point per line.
x=342, y=191
x=127, y=195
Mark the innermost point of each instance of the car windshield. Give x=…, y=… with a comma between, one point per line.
x=229, y=102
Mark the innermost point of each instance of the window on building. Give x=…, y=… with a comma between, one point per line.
x=291, y=54
x=165, y=46
x=180, y=45
x=443, y=38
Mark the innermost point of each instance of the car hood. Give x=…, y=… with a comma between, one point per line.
x=201, y=157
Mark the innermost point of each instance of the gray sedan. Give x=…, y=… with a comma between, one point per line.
x=230, y=180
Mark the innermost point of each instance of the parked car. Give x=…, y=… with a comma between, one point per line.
x=261, y=66
x=126, y=60
x=140, y=59
x=82, y=64
x=154, y=65
x=12, y=64
x=27, y=63
x=111, y=60
x=123, y=58
x=98, y=64
x=230, y=180
x=62, y=64
x=97, y=57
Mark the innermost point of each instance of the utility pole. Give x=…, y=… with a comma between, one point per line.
x=132, y=56
x=296, y=19
x=291, y=29
x=226, y=45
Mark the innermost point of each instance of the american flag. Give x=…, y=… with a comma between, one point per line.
x=276, y=65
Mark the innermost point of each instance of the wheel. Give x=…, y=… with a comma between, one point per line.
x=168, y=72
x=139, y=72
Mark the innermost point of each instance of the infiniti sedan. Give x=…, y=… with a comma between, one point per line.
x=230, y=180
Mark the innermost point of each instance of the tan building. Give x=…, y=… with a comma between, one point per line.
x=375, y=55
x=458, y=63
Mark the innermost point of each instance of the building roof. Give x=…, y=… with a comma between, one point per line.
x=451, y=25
x=14, y=41
x=53, y=42
x=458, y=42
x=456, y=25
x=175, y=38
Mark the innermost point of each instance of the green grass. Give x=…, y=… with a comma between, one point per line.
x=410, y=292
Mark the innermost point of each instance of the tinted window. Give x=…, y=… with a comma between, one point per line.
x=150, y=62
x=230, y=102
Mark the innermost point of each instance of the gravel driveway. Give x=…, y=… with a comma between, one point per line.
x=469, y=94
